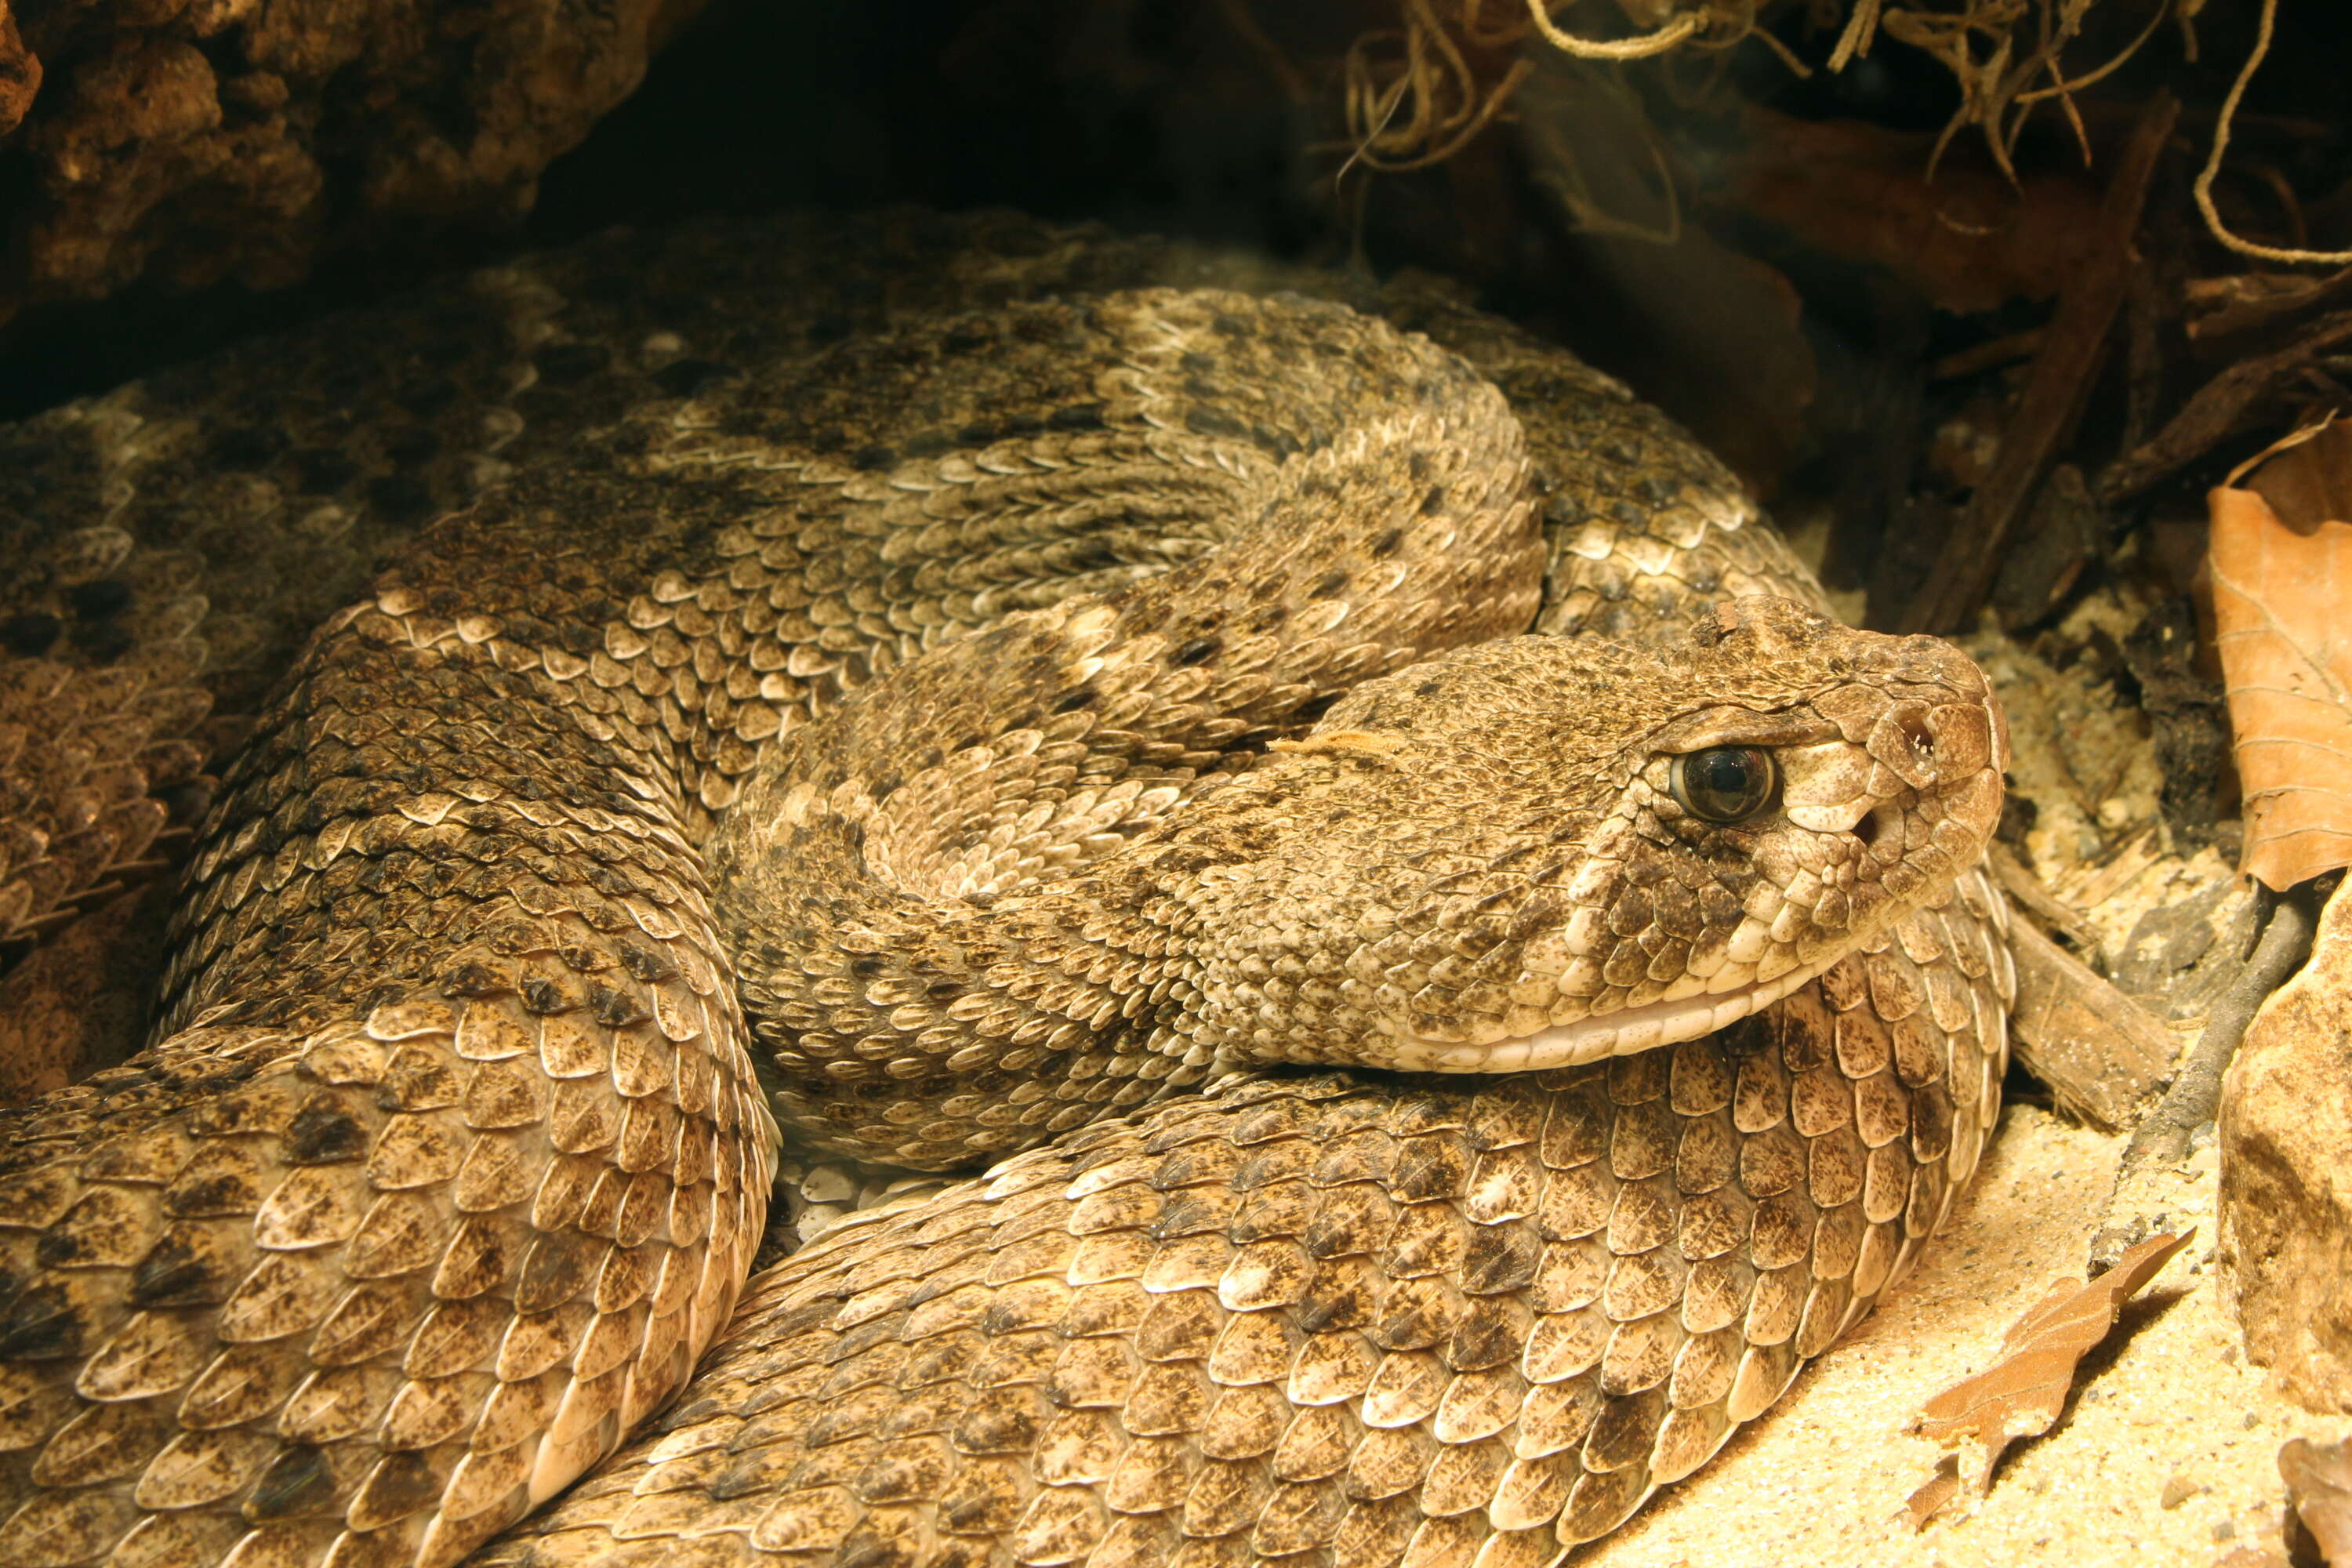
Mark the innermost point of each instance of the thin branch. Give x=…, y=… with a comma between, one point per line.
x=2195, y=1097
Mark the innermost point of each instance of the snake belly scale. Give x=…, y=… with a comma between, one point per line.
x=1070, y=697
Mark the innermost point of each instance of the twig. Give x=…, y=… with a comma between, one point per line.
x=2212, y=413
x=2100, y=1052
x=2203, y=188
x=2161, y=1139
x=1244, y=25
x=2055, y=391
x=1855, y=40
x=2028, y=894
x=1985, y=356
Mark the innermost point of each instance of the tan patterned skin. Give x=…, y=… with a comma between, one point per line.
x=451, y=1160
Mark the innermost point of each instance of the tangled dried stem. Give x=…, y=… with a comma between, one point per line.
x=1413, y=96
x=2203, y=189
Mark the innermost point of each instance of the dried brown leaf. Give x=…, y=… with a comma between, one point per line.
x=1968, y=238
x=2281, y=562
x=2319, y=1483
x=1935, y=1493
x=2023, y=1391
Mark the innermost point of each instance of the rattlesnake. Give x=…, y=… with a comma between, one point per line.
x=451, y=1163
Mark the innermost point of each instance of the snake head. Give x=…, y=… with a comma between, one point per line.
x=1542, y=852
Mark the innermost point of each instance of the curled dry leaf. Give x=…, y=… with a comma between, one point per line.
x=2281, y=562
x=2319, y=1483
x=2020, y=1395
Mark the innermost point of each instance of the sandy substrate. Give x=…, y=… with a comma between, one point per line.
x=2164, y=1413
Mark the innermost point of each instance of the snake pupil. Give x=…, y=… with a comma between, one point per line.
x=1723, y=783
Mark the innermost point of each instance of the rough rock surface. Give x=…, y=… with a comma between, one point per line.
x=193, y=141
x=2286, y=1144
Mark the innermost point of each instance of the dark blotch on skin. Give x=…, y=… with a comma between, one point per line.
x=297, y=1482
x=560, y=363
x=428, y=396
x=97, y=600
x=323, y=1134
x=101, y=642
x=400, y=499
x=687, y=377
x=323, y=472
x=41, y=1326
x=245, y=447
x=29, y=636
x=414, y=449
x=172, y=1276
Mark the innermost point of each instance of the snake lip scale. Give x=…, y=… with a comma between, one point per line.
x=1642, y=1029
x=1060, y=705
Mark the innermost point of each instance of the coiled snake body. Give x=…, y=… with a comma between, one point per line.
x=451, y=1161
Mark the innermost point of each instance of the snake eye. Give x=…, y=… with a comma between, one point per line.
x=1723, y=783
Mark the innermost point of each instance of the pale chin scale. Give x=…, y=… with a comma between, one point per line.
x=1619, y=1034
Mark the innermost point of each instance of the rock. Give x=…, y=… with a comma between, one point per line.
x=2286, y=1142
x=187, y=142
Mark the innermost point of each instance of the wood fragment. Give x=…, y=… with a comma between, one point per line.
x=2033, y=897
x=2245, y=302
x=2100, y=1052
x=2106, y=878
x=1985, y=356
x=2056, y=389
x=2160, y=1143
x=2144, y=355
x=2218, y=409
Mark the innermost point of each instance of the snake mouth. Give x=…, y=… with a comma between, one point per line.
x=1619, y=1034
